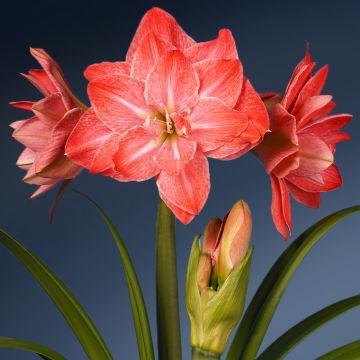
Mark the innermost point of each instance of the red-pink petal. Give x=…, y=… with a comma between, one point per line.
x=33, y=133
x=118, y=101
x=164, y=26
x=213, y=124
x=135, y=156
x=172, y=84
x=187, y=191
x=175, y=153
x=92, y=144
x=26, y=159
x=41, y=81
x=223, y=47
x=309, y=199
x=43, y=189
x=105, y=68
x=315, y=155
x=57, y=140
x=221, y=79
x=50, y=109
x=24, y=105
x=313, y=87
x=148, y=54
x=280, y=206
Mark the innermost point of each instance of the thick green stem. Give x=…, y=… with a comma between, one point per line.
x=198, y=354
x=168, y=322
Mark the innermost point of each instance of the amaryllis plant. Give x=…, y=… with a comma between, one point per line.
x=160, y=113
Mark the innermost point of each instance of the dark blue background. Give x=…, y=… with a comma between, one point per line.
x=270, y=37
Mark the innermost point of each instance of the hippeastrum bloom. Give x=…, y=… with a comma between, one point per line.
x=217, y=278
x=298, y=153
x=164, y=110
x=44, y=135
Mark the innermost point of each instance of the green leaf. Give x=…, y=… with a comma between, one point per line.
x=259, y=313
x=43, y=351
x=140, y=316
x=347, y=352
x=280, y=347
x=74, y=314
x=168, y=322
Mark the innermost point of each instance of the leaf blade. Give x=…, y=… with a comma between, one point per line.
x=43, y=351
x=281, y=346
x=258, y=315
x=140, y=316
x=80, y=323
x=349, y=351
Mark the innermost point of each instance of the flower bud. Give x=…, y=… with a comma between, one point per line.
x=217, y=278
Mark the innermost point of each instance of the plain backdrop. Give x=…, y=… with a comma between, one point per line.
x=78, y=247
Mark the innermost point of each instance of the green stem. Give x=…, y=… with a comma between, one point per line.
x=168, y=322
x=198, y=354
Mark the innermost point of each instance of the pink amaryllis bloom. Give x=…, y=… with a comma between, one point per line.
x=298, y=153
x=44, y=134
x=164, y=110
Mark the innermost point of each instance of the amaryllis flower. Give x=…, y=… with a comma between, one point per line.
x=160, y=113
x=298, y=153
x=44, y=135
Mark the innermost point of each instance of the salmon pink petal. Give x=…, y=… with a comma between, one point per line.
x=310, y=199
x=43, y=189
x=164, y=26
x=187, y=191
x=299, y=78
x=41, y=81
x=315, y=155
x=50, y=109
x=61, y=168
x=95, y=71
x=148, y=54
x=311, y=108
x=221, y=79
x=55, y=74
x=175, y=153
x=213, y=124
x=92, y=144
x=118, y=101
x=26, y=159
x=57, y=139
x=280, y=206
x=223, y=47
x=33, y=133
x=172, y=84
x=24, y=105
x=135, y=156
x=313, y=87
x=328, y=128
x=330, y=180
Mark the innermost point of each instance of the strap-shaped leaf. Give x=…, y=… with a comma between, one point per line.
x=349, y=351
x=43, y=351
x=280, y=347
x=80, y=323
x=168, y=321
x=259, y=313
x=140, y=316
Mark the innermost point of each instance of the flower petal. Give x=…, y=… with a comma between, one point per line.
x=175, y=153
x=315, y=155
x=135, y=156
x=221, y=79
x=310, y=199
x=150, y=50
x=118, y=101
x=164, y=26
x=95, y=71
x=223, y=47
x=24, y=105
x=92, y=144
x=50, y=109
x=26, y=159
x=213, y=123
x=187, y=191
x=172, y=84
x=57, y=140
x=280, y=206
x=41, y=81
